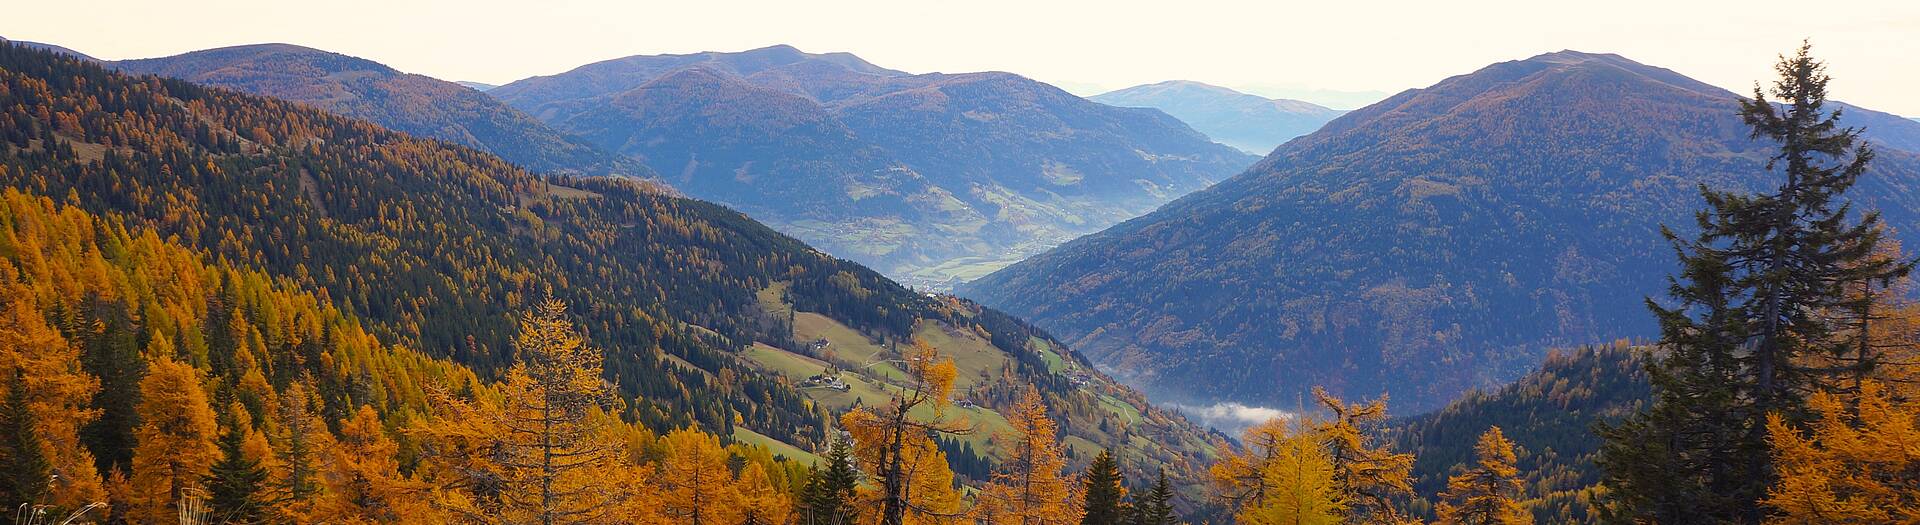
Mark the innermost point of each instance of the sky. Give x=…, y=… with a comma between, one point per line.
x=1343, y=53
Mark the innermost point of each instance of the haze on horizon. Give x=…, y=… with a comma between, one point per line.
x=1338, y=53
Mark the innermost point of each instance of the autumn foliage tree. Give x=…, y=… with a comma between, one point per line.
x=893, y=443
x=699, y=487
x=538, y=455
x=1484, y=494
x=175, y=442
x=1858, y=464
x=1283, y=475
x=1367, y=475
x=1031, y=487
x=49, y=397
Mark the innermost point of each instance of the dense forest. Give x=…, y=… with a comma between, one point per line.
x=221, y=308
x=1550, y=414
x=438, y=249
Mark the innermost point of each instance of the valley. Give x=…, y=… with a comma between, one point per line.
x=720, y=280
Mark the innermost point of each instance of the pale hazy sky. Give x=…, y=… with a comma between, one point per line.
x=1873, y=46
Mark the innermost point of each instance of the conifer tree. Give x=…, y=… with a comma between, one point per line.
x=175, y=442
x=363, y=478
x=1103, y=493
x=54, y=393
x=110, y=353
x=1284, y=476
x=24, y=468
x=236, y=484
x=1483, y=495
x=1367, y=477
x=540, y=455
x=699, y=487
x=760, y=502
x=1761, y=290
x=1030, y=488
x=302, y=436
x=1155, y=507
x=830, y=492
x=1858, y=464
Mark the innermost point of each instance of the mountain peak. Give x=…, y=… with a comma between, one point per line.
x=1252, y=123
x=1422, y=246
x=1569, y=56
x=270, y=58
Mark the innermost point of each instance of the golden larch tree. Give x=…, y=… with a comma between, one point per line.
x=57, y=393
x=1368, y=476
x=1484, y=494
x=1284, y=476
x=699, y=489
x=174, y=443
x=1848, y=470
x=362, y=479
x=884, y=436
x=537, y=455
x=1031, y=487
x=762, y=503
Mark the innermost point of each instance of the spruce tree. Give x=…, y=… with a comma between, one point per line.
x=24, y=467
x=829, y=494
x=1155, y=507
x=1761, y=289
x=1103, y=491
x=236, y=483
x=111, y=352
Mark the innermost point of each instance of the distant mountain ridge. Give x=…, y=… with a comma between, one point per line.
x=1437, y=241
x=50, y=47
x=705, y=316
x=414, y=104
x=932, y=178
x=1252, y=123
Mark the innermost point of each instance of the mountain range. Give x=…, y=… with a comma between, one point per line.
x=705, y=317
x=415, y=104
x=1437, y=241
x=1252, y=123
x=934, y=178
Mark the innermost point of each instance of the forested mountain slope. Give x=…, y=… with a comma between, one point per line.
x=1550, y=414
x=438, y=247
x=415, y=104
x=1437, y=241
x=934, y=178
x=1253, y=123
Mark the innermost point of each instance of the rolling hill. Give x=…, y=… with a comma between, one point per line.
x=415, y=104
x=931, y=178
x=1252, y=123
x=705, y=316
x=1437, y=241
